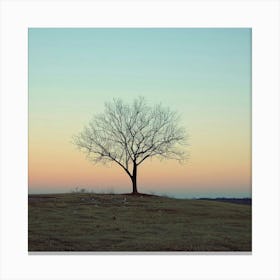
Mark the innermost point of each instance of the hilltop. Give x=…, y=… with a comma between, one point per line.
x=122, y=222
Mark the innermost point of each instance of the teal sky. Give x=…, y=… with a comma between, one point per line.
x=204, y=74
x=125, y=62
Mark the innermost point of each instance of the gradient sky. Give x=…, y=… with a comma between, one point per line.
x=204, y=74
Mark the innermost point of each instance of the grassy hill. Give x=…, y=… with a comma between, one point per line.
x=105, y=222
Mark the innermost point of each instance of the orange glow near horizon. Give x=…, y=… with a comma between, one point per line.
x=53, y=164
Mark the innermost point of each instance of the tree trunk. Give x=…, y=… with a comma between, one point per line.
x=134, y=179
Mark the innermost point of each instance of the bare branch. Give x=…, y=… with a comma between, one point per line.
x=128, y=134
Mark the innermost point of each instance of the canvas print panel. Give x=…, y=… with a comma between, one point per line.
x=139, y=139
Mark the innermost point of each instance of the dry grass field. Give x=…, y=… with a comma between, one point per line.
x=111, y=222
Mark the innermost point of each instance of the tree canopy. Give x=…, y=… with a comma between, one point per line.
x=128, y=134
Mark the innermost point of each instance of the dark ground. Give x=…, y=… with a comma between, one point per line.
x=105, y=222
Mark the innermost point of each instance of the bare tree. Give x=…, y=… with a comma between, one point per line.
x=128, y=134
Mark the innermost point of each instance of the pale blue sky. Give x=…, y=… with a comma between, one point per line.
x=161, y=63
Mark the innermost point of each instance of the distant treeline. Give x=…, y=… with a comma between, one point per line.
x=247, y=201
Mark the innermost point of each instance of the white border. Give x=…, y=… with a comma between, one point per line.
x=262, y=16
